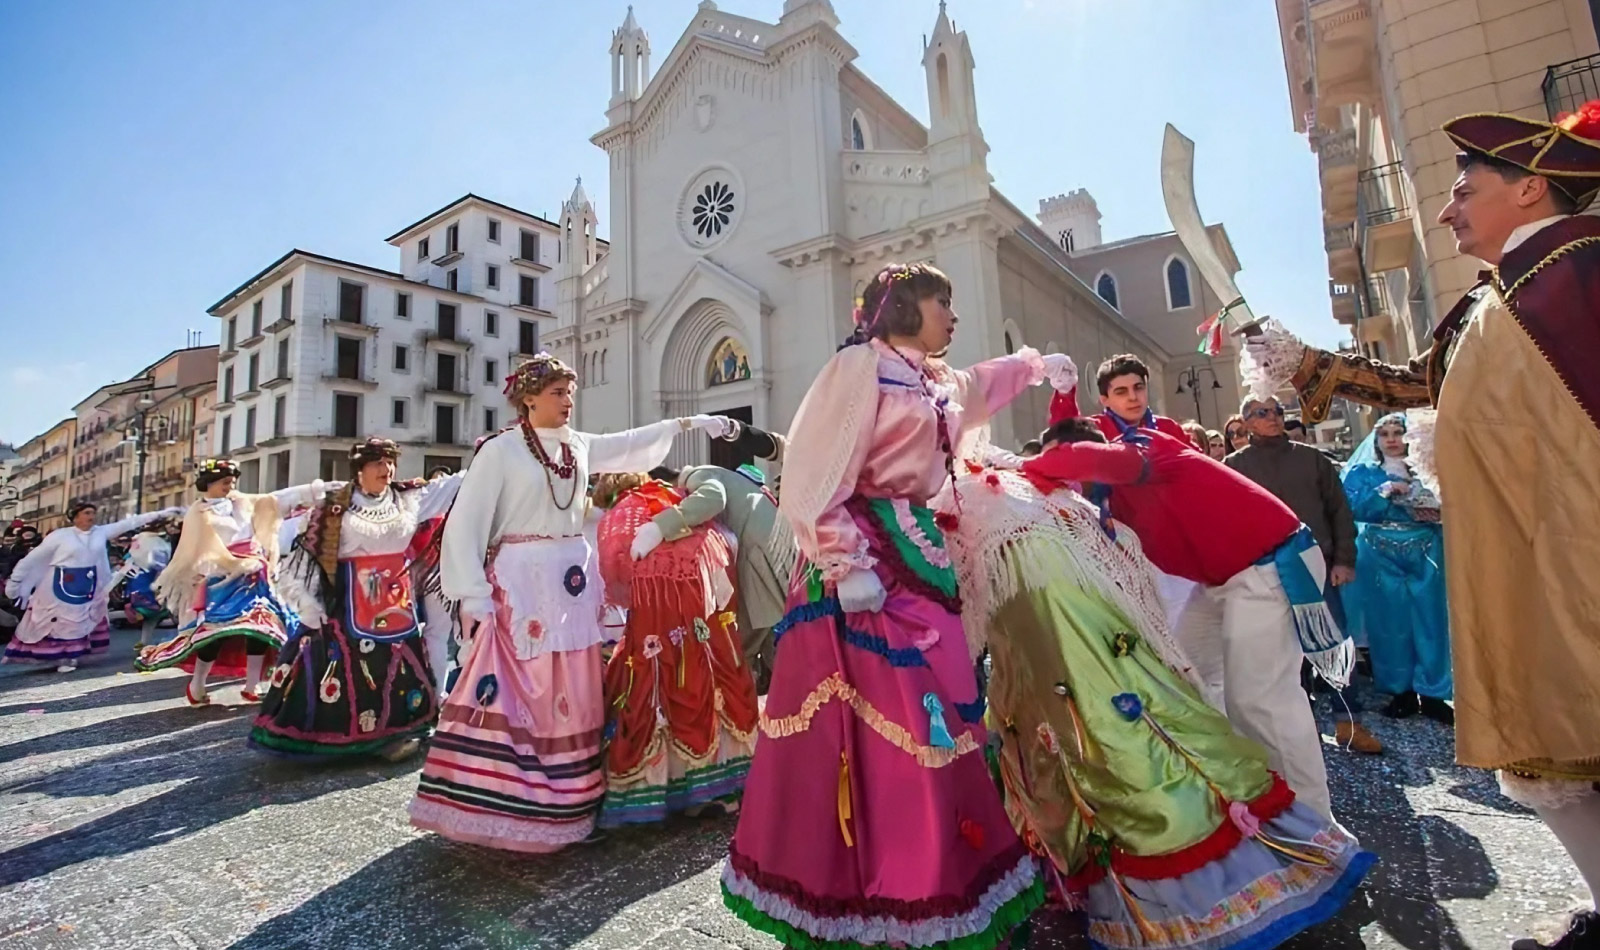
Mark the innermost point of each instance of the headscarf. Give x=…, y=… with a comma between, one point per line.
x=1367, y=453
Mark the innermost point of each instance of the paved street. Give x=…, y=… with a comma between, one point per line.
x=129, y=821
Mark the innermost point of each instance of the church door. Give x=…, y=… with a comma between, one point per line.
x=726, y=454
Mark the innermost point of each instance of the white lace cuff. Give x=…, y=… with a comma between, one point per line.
x=835, y=565
x=1267, y=362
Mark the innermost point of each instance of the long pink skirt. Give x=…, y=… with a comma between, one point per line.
x=515, y=763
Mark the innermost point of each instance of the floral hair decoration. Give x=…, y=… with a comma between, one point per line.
x=532, y=376
x=221, y=468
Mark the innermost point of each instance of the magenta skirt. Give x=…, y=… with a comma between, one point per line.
x=869, y=815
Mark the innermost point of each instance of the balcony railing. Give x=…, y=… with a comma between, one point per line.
x=1569, y=85
x=1383, y=195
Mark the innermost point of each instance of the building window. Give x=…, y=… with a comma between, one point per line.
x=280, y=407
x=860, y=134
x=444, y=373
x=283, y=359
x=250, y=427
x=1106, y=286
x=444, y=424
x=227, y=385
x=491, y=323
x=284, y=297
x=233, y=328
x=491, y=420
x=492, y=278
x=1010, y=346
x=422, y=249
x=402, y=360
x=254, y=371
x=348, y=359
x=352, y=298
x=713, y=209
x=250, y=476
x=527, y=337
x=227, y=435
x=491, y=371
x=445, y=316
x=346, y=415
x=402, y=305
x=255, y=318
x=280, y=471
x=530, y=246
x=1178, y=295
x=527, y=292
x=452, y=239
x=397, y=413
x=494, y=231
x=451, y=280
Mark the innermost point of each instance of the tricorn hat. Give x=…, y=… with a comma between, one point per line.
x=1566, y=151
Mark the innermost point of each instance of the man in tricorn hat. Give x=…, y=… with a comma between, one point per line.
x=1515, y=444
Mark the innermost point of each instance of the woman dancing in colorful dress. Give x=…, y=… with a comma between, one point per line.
x=869, y=819
x=1398, y=598
x=220, y=579
x=680, y=700
x=1154, y=815
x=515, y=762
x=64, y=584
x=354, y=679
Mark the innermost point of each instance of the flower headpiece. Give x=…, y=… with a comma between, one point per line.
x=534, y=374
x=374, y=450
x=864, y=324
x=221, y=468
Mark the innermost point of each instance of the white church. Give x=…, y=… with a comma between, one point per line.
x=757, y=180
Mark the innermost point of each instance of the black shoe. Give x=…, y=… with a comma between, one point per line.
x=1439, y=711
x=1582, y=934
x=1403, y=706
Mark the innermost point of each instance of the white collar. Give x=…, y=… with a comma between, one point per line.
x=560, y=434
x=1521, y=234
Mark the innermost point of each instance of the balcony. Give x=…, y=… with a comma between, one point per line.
x=282, y=323
x=532, y=265
x=1340, y=242
x=1346, y=303
x=276, y=382
x=448, y=257
x=1338, y=161
x=338, y=380
x=1388, y=231
x=1569, y=85
x=447, y=340
x=446, y=387
x=350, y=327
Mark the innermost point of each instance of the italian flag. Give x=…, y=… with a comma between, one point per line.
x=1211, y=335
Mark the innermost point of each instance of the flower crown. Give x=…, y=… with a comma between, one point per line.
x=217, y=467
x=374, y=449
x=887, y=277
x=533, y=372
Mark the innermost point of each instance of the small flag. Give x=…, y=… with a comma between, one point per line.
x=1211, y=335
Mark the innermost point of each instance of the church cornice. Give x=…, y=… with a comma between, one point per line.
x=616, y=311
x=699, y=58
x=812, y=251
x=731, y=290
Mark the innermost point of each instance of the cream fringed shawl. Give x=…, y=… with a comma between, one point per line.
x=202, y=554
x=1000, y=509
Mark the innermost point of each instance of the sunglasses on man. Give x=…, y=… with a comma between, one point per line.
x=1262, y=412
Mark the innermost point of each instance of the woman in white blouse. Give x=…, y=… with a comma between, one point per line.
x=354, y=679
x=65, y=583
x=220, y=579
x=515, y=762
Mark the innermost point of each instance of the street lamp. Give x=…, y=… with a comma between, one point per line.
x=1189, y=381
x=140, y=434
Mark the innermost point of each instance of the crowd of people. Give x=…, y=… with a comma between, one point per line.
x=941, y=684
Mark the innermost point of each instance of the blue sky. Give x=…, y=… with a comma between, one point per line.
x=159, y=152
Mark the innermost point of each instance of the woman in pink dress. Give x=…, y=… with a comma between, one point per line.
x=869, y=817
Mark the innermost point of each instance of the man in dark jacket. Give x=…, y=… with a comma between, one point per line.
x=1308, y=482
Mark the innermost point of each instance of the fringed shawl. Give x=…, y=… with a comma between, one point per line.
x=202, y=554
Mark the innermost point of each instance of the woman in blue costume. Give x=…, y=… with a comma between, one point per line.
x=1397, y=600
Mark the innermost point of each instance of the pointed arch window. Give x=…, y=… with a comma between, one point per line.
x=1106, y=286
x=860, y=132
x=942, y=68
x=1179, y=292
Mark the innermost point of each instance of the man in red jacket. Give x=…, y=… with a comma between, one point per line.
x=1258, y=608
x=1124, y=383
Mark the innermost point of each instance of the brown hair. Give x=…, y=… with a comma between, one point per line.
x=889, y=305
x=1227, y=437
x=613, y=485
x=1123, y=364
x=535, y=376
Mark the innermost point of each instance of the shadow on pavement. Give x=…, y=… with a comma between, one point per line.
x=123, y=729
x=436, y=893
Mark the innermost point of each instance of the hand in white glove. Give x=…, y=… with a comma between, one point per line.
x=860, y=591
x=714, y=426
x=1060, y=372
x=13, y=589
x=646, y=540
x=474, y=612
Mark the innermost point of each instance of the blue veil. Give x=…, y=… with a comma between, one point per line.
x=1367, y=451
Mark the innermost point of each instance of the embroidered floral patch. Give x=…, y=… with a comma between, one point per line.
x=414, y=700
x=1128, y=705
x=652, y=647
x=1123, y=643
x=365, y=645
x=280, y=674
x=702, y=631
x=575, y=580
x=367, y=721
x=487, y=689
x=330, y=690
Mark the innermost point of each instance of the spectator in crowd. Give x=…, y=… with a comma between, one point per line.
x=1197, y=434
x=1216, y=445
x=1235, y=434
x=1305, y=480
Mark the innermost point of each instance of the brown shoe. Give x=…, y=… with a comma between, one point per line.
x=1355, y=737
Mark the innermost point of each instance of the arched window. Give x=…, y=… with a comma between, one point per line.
x=1178, y=293
x=860, y=135
x=1010, y=346
x=603, y=364
x=942, y=70
x=1106, y=286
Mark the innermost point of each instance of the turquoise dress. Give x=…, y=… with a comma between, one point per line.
x=1397, y=600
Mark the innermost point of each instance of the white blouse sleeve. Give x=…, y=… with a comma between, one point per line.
x=636, y=450
x=301, y=496
x=117, y=529
x=435, y=497
x=467, y=530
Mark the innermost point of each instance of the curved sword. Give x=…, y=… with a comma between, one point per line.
x=1177, y=188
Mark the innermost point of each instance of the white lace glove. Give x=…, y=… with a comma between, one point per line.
x=715, y=426
x=1060, y=372
x=1269, y=359
x=646, y=540
x=860, y=591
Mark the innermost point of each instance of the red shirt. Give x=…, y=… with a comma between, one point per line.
x=1109, y=428
x=1196, y=517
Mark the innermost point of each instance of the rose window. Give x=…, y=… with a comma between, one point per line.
x=713, y=210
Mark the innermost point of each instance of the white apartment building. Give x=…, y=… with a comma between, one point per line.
x=319, y=352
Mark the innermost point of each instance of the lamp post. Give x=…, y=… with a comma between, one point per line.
x=140, y=433
x=1189, y=381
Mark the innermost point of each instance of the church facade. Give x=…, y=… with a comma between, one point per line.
x=758, y=179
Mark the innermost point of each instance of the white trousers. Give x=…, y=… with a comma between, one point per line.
x=436, y=631
x=1577, y=827
x=1240, y=637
